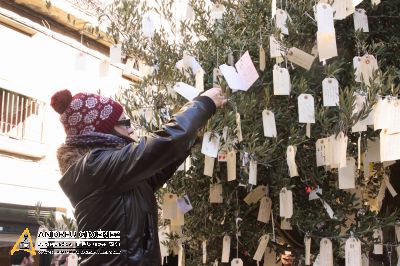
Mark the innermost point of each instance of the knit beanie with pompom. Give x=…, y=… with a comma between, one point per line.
x=85, y=113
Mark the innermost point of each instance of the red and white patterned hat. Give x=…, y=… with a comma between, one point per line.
x=84, y=113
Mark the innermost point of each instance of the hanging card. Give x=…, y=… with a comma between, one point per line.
x=269, y=125
x=200, y=80
x=373, y=153
x=320, y=152
x=285, y=203
x=339, y=7
x=226, y=248
x=231, y=165
x=281, y=19
x=184, y=204
x=237, y=262
x=262, y=58
x=389, y=146
x=261, y=248
x=216, y=193
x=326, y=252
x=239, y=128
x=394, y=116
x=378, y=247
x=163, y=233
x=324, y=17
x=275, y=49
x=330, y=90
x=269, y=257
x=307, y=244
x=149, y=24
x=281, y=81
x=217, y=11
x=314, y=194
x=357, y=68
x=361, y=20
x=204, y=248
x=300, y=58
x=291, y=160
x=361, y=125
x=208, y=165
x=353, y=252
x=350, y=7
x=179, y=220
x=326, y=43
x=273, y=8
x=306, y=108
x=169, y=206
x=397, y=231
x=253, y=172
x=368, y=67
x=186, y=91
x=264, y=212
x=347, y=174
x=382, y=113
x=255, y=195
x=210, y=144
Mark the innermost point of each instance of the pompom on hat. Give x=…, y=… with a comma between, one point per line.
x=84, y=113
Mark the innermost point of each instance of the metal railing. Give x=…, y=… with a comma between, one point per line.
x=21, y=116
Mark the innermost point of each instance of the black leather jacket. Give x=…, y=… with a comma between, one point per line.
x=113, y=189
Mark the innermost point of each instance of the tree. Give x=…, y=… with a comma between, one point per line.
x=199, y=30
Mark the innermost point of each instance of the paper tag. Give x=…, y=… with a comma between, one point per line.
x=394, y=116
x=269, y=125
x=397, y=230
x=243, y=77
x=339, y=7
x=326, y=42
x=326, y=252
x=324, y=17
x=210, y=144
x=361, y=20
x=389, y=146
x=389, y=186
x=269, y=257
x=378, y=235
x=216, y=193
x=115, y=54
x=169, y=206
x=216, y=76
x=281, y=18
x=361, y=125
x=306, y=108
x=314, y=194
x=372, y=154
x=307, y=243
x=264, y=212
x=237, y=262
x=347, y=174
x=273, y=8
x=353, y=252
x=255, y=195
x=163, y=233
x=291, y=162
x=186, y=91
x=381, y=117
x=204, y=247
x=253, y=172
x=285, y=224
x=320, y=152
x=239, y=128
x=181, y=256
x=328, y=209
x=281, y=81
x=365, y=260
x=149, y=24
x=339, y=150
x=357, y=68
x=350, y=7
x=72, y=260
x=179, y=220
x=330, y=89
x=367, y=68
x=217, y=11
x=285, y=203
x=200, y=80
x=231, y=165
x=300, y=58
x=262, y=58
x=184, y=204
x=208, y=165
x=226, y=248
x=261, y=248
x=275, y=49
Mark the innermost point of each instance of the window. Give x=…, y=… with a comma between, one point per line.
x=21, y=116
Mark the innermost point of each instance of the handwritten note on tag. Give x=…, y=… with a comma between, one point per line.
x=262, y=58
x=339, y=7
x=361, y=20
x=291, y=162
x=324, y=18
x=300, y=58
x=169, y=206
x=389, y=146
x=216, y=193
x=353, y=251
x=261, y=248
x=326, y=43
x=330, y=89
x=184, y=204
x=281, y=81
x=208, y=165
x=281, y=19
x=275, y=49
x=217, y=11
x=255, y=195
x=306, y=108
x=239, y=128
x=237, y=262
x=264, y=212
x=226, y=248
x=320, y=152
x=347, y=174
x=210, y=144
x=231, y=165
x=269, y=125
x=253, y=172
x=285, y=203
x=368, y=66
x=326, y=252
x=187, y=91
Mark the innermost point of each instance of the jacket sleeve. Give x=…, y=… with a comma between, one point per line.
x=155, y=156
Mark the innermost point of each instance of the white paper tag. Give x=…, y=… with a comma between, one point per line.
x=275, y=49
x=253, y=172
x=367, y=68
x=239, y=128
x=326, y=43
x=378, y=235
x=264, y=212
x=262, y=59
x=339, y=148
x=320, y=151
x=273, y=8
x=326, y=252
x=237, y=262
x=353, y=252
x=373, y=154
x=339, y=7
x=330, y=89
x=208, y=165
x=285, y=203
x=200, y=80
x=184, y=204
x=347, y=174
x=281, y=81
x=255, y=195
x=150, y=24
x=261, y=248
x=361, y=20
x=306, y=108
x=163, y=233
x=300, y=58
x=169, y=206
x=231, y=165
x=307, y=243
x=186, y=91
x=216, y=193
x=226, y=248
x=381, y=117
x=210, y=144
x=181, y=256
x=291, y=162
x=217, y=11
x=281, y=18
x=179, y=220
x=204, y=247
x=361, y=125
x=397, y=230
x=394, y=116
x=243, y=76
x=389, y=146
x=350, y=7
x=269, y=125
x=324, y=17
x=115, y=54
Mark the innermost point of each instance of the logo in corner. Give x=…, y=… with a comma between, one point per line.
x=24, y=243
